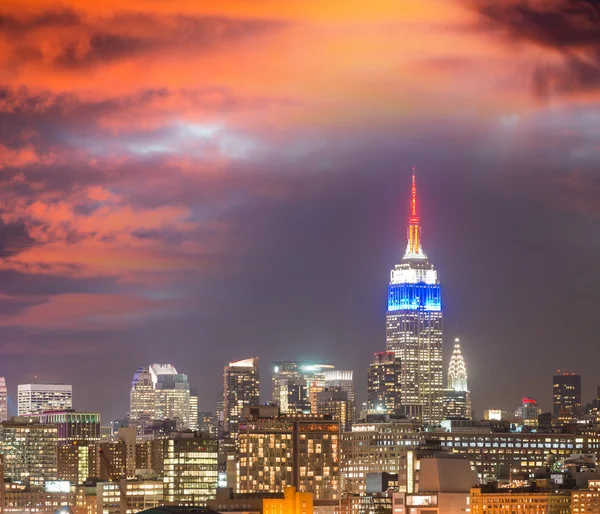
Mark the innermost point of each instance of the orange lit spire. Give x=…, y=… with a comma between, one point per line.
x=414, y=229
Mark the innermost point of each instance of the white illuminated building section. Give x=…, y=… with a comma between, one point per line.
x=404, y=274
x=457, y=371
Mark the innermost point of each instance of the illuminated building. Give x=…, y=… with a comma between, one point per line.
x=288, y=502
x=527, y=414
x=142, y=399
x=488, y=500
x=24, y=500
x=240, y=388
x=384, y=387
x=332, y=401
x=190, y=469
x=193, y=410
x=29, y=450
x=129, y=496
x=296, y=384
x=414, y=326
x=3, y=400
x=566, y=397
x=289, y=451
x=375, y=447
x=433, y=481
x=586, y=501
x=172, y=394
x=207, y=423
x=456, y=399
x=76, y=431
x=343, y=379
x=38, y=398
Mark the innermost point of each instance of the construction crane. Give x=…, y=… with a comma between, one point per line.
x=122, y=489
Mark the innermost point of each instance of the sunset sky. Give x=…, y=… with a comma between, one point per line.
x=195, y=182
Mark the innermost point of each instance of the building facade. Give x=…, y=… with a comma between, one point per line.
x=414, y=326
x=566, y=396
x=190, y=469
x=334, y=402
x=142, y=399
x=502, y=501
x=303, y=452
x=240, y=389
x=38, y=398
x=29, y=450
x=344, y=380
x=3, y=400
x=384, y=389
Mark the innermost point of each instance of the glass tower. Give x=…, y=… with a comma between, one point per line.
x=414, y=326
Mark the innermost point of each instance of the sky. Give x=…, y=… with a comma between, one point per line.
x=200, y=182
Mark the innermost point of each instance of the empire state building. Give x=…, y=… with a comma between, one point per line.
x=414, y=326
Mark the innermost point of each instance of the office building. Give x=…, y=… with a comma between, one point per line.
x=207, y=423
x=344, y=380
x=334, y=402
x=290, y=451
x=586, y=500
x=38, y=398
x=172, y=394
x=3, y=400
x=384, y=386
x=190, y=469
x=492, y=500
x=240, y=388
x=296, y=385
x=414, y=326
x=76, y=431
x=142, y=399
x=29, y=450
x=566, y=397
x=527, y=414
x=193, y=410
x=129, y=496
x=495, y=454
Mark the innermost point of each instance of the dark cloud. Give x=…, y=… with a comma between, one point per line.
x=569, y=28
x=87, y=42
x=14, y=238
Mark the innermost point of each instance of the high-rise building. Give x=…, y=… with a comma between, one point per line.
x=190, y=469
x=142, y=399
x=29, y=450
x=384, y=388
x=456, y=399
x=3, y=400
x=172, y=394
x=566, y=396
x=207, y=423
x=76, y=431
x=334, y=402
x=528, y=412
x=240, y=388
x=193, y=409
x=38, y=398
x=343, y=379
x=296, y=384
x=414, y=326
x=290, y=451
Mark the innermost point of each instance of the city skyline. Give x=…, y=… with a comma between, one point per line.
x=238, y=186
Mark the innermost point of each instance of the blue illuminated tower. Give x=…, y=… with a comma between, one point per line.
x=414, y=326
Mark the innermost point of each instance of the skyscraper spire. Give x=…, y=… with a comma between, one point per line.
x=413, y=249
x=457, y=371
